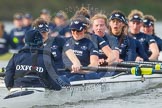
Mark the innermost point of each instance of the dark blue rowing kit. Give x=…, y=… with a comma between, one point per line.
x=60, y=31
x=56, y=45
x=145, y=40
x=83, y=49
x=32, y=67
x=17, y=38
x=158, y=41
x=112, y=41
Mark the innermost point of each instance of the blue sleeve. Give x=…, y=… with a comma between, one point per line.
x=150, y=39
x=67, y=46
x=92, y=49
x=159, y=42
x=101, y=42
x=140, y=51
x=10, y=72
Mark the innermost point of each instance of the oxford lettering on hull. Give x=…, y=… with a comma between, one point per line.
x=29, y=68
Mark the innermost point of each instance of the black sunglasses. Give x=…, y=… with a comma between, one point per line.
x=76, y=30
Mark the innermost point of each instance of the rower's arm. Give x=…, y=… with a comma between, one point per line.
x=93, y=60
x=93, y=63
x=109, y=53
x=116, y=54
x=73, y=58
x=155, y=51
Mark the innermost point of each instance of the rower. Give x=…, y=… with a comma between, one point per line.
x=60, y=21
x=83, y=48
x=17, y=34
x=149, y=29
x=128, y=45
x=32, y=66
x=149, y=44
x=110, y=52
x=55, y=45
x=27, y=21
x=46, y=15
x=106, y=55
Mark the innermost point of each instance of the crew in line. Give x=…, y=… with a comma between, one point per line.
x=148, y=42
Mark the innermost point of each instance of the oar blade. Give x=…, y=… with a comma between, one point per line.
x=18, y=94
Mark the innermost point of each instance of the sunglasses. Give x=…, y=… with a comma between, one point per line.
x=76, y=30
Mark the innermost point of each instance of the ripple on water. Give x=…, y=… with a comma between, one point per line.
x=146, y=99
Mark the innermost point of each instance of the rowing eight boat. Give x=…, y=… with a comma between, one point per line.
x=81, y=91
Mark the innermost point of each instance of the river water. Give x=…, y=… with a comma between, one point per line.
x=148, y=99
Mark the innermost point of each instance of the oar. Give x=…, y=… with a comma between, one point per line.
x=134, y=70
x=17, y=94
x=131, y=64
x=146, y=62
x=141, y=64
x=99, y=69
x=155, y=61
x=22, y=93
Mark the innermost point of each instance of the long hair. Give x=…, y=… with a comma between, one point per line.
x=124, y=30
x=151, y=18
